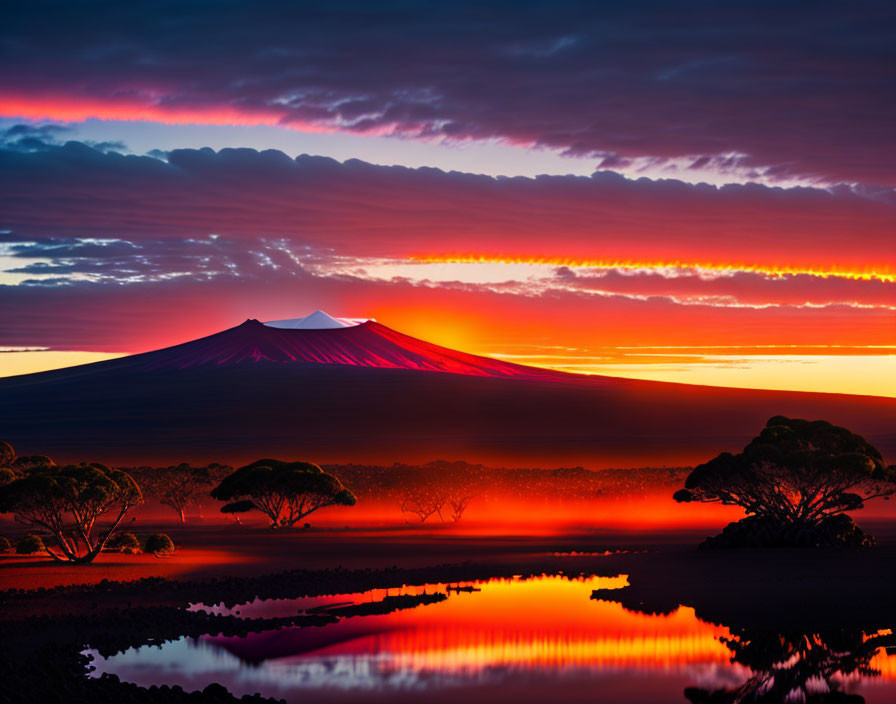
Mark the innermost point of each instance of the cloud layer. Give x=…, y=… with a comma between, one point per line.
x=802, y=89
x=358, y=209
x=127, y=253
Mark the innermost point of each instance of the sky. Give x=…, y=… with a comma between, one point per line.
x=687, y=191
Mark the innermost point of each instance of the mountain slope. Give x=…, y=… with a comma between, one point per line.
x=366, y=345
x=371, y=394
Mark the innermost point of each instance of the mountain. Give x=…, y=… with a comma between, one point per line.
x=368, y=393
x=367, y=344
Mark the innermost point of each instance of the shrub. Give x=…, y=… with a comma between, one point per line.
x=29, y=545
x=5, y=545
x=838, y=530
x=124, y=542
x=159, y=544
x=7, y=454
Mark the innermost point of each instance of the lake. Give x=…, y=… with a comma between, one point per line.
x=523, y=640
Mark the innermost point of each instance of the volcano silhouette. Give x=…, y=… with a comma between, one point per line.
x=367, y=393
x=366, y=345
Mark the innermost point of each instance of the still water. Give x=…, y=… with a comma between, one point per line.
x=522, y=640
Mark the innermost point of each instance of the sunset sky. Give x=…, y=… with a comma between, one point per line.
x=690, y=191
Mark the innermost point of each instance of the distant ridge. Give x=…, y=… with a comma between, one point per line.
x=369, y=394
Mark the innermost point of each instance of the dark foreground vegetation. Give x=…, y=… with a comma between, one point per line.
x=795, y=480
x=41, y=656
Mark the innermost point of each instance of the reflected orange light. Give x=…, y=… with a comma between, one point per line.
x=562, y=627
x=880, y=272
x=885, y=664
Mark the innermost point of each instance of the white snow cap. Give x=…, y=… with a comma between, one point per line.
x=318, y=320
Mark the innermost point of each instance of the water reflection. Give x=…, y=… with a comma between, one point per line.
x=517, y=639
x=820, y=668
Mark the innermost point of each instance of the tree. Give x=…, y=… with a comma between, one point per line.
x=236, y=508
x=179, y=486
x=795, y=480
x=459, y=500
x=423, y=500
x=68, y=502
x=285, y=492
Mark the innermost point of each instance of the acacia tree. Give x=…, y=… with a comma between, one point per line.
x=462, y=485
x=68, y=502
x=423, y=501
x=235, y=508
x=179, y=486
x=439, y=488
x=796, y=476
x=285, y=492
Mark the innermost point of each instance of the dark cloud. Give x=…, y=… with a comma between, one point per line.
x=806, y=88
x=26, y=138
x=358, y=209
x=30, y=138
x=66, y=261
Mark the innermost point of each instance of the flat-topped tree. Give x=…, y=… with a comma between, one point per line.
x=285, y=492
x=795, y=481
x=69, y=502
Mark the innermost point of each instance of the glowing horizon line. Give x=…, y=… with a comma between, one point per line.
x=885, y=274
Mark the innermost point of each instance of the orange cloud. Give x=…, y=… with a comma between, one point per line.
x=867, y=272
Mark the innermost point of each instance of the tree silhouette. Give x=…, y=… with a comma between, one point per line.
x=439, y=488
x=285, y=492
x=179, y=486
x=236, y=508
x=68, y=503
x=795, y=480
x=423, y=500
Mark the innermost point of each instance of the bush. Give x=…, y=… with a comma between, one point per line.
x=159, y=544
x=29, y=545
x=5, y=545
x=759, y=532
x=124, y=542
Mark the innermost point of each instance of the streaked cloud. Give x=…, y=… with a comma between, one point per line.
x=358, y=209
x=764, y=91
